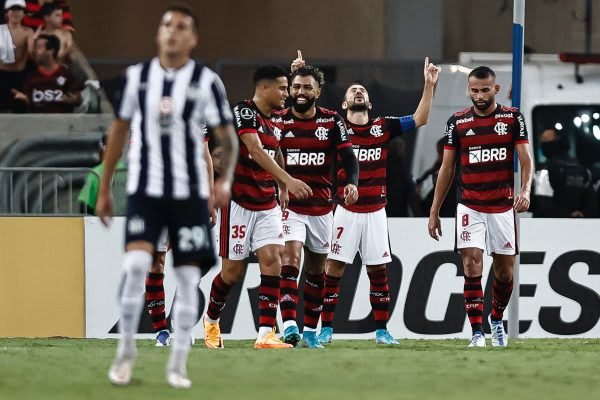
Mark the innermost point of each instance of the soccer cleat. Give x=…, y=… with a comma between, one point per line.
x=291, y=335
x=178, y=381
x=383, y=336
x=119, y=373
x=499, y=338
x=478, y=340
x=212, y=335
x=310, y=340
x=271, y=341
x=326, y=335
x=163, y=339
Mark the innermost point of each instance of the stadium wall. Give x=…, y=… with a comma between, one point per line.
x=42, y=281
x=560, y=282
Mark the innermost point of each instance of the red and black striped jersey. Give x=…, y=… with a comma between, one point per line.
x=254, y=188
x=310, y=149
x=369, y=143
x=485, y=156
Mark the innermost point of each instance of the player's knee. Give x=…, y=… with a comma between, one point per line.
x=232, y=272
x=335, y=268
x=158, y=264
x=473, y=264
x=137, y=262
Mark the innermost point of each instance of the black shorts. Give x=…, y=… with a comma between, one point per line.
x=187, y=223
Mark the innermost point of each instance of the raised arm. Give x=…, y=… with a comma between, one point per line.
x=431, y=73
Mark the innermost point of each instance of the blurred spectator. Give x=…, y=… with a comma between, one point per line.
x=14, y=40
x=563, y=189
x=53, y=22
x=89, y=193
x=426, y=186
x=34, y=19
x=51, y=87
x=403, y=199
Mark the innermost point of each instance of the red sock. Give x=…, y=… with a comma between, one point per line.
x=314, y=291
x=474, y=302
x=218, y=293
x=288, y=300
x=155, y=301
x=332, y=296
x=379, y=295
x=500, y=297
x=268, y=298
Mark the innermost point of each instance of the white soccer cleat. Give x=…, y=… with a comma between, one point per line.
x=119, y=373
x=478, y=340
x=178, y=381
x=499, y=338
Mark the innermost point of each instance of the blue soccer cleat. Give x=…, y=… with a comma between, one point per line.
x=383, y=336
x=326, y=335
x=499, y=338
x=163, y=339
x=291, y=335
x=309, y=340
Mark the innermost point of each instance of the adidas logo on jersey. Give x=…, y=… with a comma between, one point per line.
x=289, y=134
x=470, y=133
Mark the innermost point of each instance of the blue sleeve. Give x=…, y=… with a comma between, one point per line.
x=398, y=125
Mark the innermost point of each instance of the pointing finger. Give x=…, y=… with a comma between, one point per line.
x=300, y=55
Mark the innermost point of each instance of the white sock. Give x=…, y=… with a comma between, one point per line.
x=263, y=330
x=136, y=264
x=186, y=314
x=212, y=321
x=288, y=323
x=306, y=329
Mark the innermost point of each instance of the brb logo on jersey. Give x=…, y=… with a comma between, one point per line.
x=367, y=154
x=298, y=158
x=478, y=155
x=322, y=133
x=48, y=96
x=376, y=131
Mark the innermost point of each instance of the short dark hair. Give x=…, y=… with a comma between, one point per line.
x=49, y=8
x=309, y=70
x=268, y=72
x=185, y=10
x=52, y=43
x=482, y=72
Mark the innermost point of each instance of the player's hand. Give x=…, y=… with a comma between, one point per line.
x=299, y=189
x=435, y=227
x=577, y=214
x=522, y=202
x=19, y=96
x=104, y=207
x=298, y=62
x=222, y=193
x=350, y=194
x=212, y=211
x=284, y=199
x=431, y=72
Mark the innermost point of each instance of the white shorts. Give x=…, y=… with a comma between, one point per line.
x=243, y=230
x=365, y=232
x=314, y=231
x=495, y=232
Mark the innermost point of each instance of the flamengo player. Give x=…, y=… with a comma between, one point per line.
x=363, y=225
x=252, y=220
x=164, y=102
x=482, y=140
x=311, y=140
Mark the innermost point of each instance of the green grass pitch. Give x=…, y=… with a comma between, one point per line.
x=347, y=369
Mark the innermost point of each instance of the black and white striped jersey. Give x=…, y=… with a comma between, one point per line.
x=167, y=109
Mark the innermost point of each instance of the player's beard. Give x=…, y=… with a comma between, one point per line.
x=484, y=105
x=358, y=107
x=302, y=108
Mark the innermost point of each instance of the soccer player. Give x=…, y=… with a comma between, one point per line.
x=363, y=225
x=252, y=220
x=312, y=140
x=164, y=102
x=482, y=140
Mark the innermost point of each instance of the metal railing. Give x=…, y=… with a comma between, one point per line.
x=37, y=191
